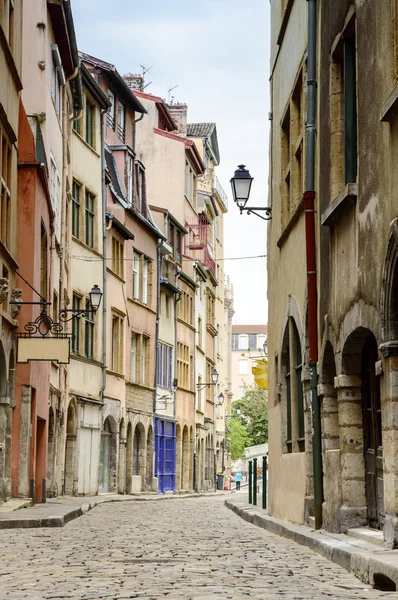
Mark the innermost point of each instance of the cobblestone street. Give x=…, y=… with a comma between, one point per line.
x=190, y=549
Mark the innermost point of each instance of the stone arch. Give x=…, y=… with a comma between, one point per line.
x=178, y=456
x=191, y=457
x=389, y=289
x=292, y=311
x=129, y=457
x=185, y=459
x=121, y=479
x=330, y=439
x=139, y=447
x=108, y=455
x=149, y=457
x=70, y=449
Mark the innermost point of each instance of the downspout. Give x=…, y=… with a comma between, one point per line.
x=309, y=210
x=177, y=298
x=104, y=278
x=159, y=270
x=134, y=128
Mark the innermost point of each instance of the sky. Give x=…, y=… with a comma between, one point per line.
x=217, y=53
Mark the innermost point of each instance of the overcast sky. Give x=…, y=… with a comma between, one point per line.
x=217, y=53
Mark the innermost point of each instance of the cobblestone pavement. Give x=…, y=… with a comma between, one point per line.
x=193, y=549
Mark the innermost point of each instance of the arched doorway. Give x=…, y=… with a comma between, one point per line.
x=129, y=457
x=121, y=479
x=149, y=458
x=191, y=458
x=178, y=457
x=373, y=446
x=185, y=460
x=139, y=457
x=70, y=449
x=104, y=481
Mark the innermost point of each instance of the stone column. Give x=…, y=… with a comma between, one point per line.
x=331, y=457
x=24, y=441
x=353, y=512
x=121, y=480
x=389, y=413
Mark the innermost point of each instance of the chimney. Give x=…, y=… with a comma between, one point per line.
x=179, y=114
x=135, y=82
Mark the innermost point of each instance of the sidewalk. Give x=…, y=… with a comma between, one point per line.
x=370, y=562
x=57, y=512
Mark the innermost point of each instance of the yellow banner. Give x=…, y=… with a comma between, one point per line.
x=260, y=373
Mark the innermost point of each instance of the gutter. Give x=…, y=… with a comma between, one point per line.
x=104, y=274
x=310, y=240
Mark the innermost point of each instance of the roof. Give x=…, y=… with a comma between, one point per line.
x=162, y=108
x=207, y=131
x=253, y=329
x=116, y=79
x=115, y=184
x=97, y=93
x=200, y=129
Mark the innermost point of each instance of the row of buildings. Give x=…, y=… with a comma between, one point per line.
x=102, y=184
x=333, y=288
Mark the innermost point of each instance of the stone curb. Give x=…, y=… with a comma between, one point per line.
x=364, y=563
x=75, y=512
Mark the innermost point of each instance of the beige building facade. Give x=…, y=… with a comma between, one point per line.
x=356, y=245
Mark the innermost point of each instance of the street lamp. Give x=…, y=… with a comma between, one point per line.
x=95, y=298
x=67, y=314
x=220, y=399
x=214, y=381
x=238, y=411
x=241, y=184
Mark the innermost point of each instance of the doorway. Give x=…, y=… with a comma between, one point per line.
x=373, y=449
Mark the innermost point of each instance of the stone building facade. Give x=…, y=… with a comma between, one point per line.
x=356, y=241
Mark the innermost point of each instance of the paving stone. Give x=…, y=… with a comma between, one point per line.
x=191, y=549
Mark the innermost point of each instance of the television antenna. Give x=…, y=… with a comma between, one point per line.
x=145, y=70
x=170, y=98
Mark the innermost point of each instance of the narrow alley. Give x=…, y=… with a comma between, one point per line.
x=180, y=548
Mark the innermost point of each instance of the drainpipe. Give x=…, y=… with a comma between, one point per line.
x=309, y=210
x=104, y=278
x=134, y=128
x=159, y=269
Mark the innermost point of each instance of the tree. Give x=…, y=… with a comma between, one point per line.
x=254, y=414
x=237, y=438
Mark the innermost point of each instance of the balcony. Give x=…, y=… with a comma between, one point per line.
x=222, y=195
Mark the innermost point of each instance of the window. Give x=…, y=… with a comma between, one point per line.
x=200, y=333
x=89, y=331
x=90, y=121
x=243, y=367
x=294, y=405
x=243, y=342
x=190, y=181
x=89, y=219
x=55, y=307
x=111, y=111
x=343, y=112
x=260, y=341
x=252, y=341
x=76, y=300
x=235, y=340
x=140, y=191
x=171, y=238
x=77, y=122
x=185, y=310
x=55, y=193
x=76, y=209
x=5, y=188
x=136, y=276
x=164, y=366
x=210, y=308
x=8, y=22
x=43, y=263
x=130, y=168
x=179, y=246
x=145, y=281
x=144, y=360
x=117, y=343
x=133, y=358
x=120, y=121
x=57, y=79
x=117, y=257
x=183, y=365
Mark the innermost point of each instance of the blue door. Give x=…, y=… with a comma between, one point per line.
x=165, y=455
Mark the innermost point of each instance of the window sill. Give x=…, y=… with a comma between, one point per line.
x=142, y=386
x=211, y=329
x=389, y=110
x=186, y=324
x=115, y=275
x=116, y=373
x=146, y=306
x=340, y=206
x=81, y=138
x=86, y=359
x=84, y=245
x=293, y=220
x=199, y=349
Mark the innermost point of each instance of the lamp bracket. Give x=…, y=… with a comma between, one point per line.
x=253, y=210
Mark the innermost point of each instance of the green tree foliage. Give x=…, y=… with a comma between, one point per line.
x=237, y=438
x=254, y=413
x=250, y=427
